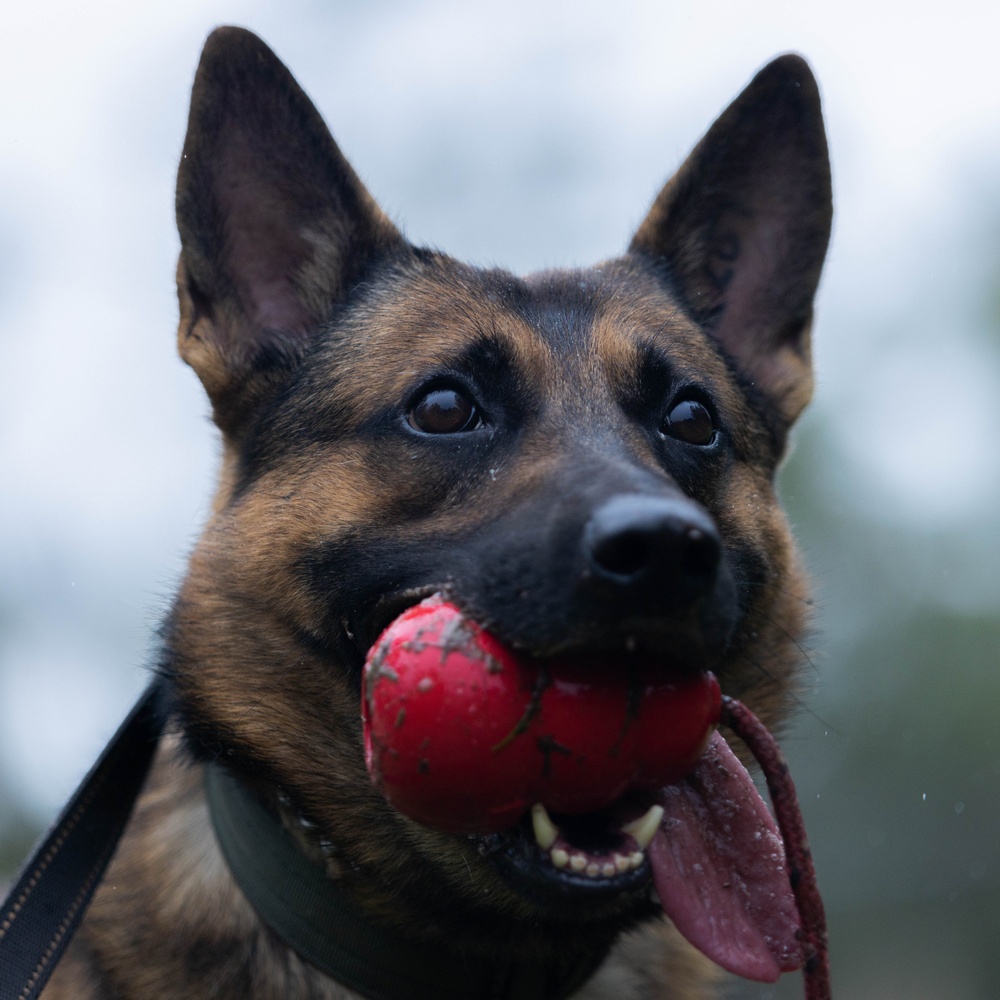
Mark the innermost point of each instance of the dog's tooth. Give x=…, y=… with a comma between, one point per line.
x=593, y=869
x=644, y=828
x=608, y=869
x=635, y=859
x=560, y=858
x=545, y=830
x=622, y=863
x=577, y=862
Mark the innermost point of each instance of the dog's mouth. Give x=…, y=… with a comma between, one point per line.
x=558, y=859
x=588, y=788
x=706, y=844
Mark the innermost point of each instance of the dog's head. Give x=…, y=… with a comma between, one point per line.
x=582, y=460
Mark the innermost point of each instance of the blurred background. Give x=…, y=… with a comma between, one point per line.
x=533, y=134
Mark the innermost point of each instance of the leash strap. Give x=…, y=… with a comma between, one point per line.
x=40, y=915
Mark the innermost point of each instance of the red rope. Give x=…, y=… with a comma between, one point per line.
x=801, y=872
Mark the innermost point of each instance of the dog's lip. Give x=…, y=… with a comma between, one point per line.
x=387, y=609
x=366, y=628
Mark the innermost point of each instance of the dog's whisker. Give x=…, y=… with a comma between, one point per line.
x=793, y=696
x=806, y=655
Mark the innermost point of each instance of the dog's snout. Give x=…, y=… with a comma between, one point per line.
x=664, y=548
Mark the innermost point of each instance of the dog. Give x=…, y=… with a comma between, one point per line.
x=582, y=460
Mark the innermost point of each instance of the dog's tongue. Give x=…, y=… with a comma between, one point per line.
x=719, y=867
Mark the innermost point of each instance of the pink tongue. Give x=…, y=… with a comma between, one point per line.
x=719, y=868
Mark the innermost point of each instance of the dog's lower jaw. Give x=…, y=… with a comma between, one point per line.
x=620, y=894
x=489, y=915
x=567, y=930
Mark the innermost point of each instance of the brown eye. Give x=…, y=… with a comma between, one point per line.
x=689, y=421
x=444, y=411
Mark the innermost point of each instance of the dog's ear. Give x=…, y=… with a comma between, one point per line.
x=275, y=226
x=741, y=230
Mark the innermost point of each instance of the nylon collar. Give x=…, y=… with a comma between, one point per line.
x=316, y=918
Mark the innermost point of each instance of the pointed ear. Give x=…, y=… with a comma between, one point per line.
x=275, y=226
x=741, y=231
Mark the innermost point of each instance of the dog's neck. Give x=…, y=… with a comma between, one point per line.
x=315, y=917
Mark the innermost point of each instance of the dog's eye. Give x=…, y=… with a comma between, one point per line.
x=689, y=421
x=444, y=411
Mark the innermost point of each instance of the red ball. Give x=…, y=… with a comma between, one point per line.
x=463, y=735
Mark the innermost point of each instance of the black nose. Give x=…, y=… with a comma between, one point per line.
x=646, y=548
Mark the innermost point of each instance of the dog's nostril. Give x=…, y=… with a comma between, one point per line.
x=656, y=548
x=625, y=554
x=700, y=553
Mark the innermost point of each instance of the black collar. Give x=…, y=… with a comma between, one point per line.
x=315, y=917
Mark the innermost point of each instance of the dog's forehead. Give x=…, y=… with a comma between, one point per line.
x=615, y=314
x=590, y=326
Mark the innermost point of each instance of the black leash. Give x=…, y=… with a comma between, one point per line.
x=48, y=900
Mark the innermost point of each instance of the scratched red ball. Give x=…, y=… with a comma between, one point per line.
x=463, y=735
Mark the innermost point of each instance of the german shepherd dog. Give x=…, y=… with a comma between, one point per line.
x=582, y=460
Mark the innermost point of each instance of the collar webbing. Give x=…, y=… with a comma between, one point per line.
x=314, y=916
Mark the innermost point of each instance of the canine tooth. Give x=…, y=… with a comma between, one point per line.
x=577, y=862
x=644, y=828
x=593, y=869
x=635, y=859
x=560, y=858
x=545, y=830
x=622, y=864
x=608, y=869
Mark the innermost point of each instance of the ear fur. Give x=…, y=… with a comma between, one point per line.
x=275, y=226
x=741, y=230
